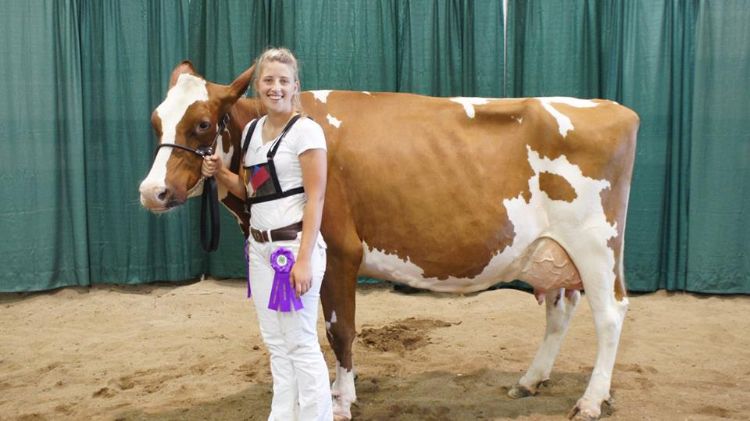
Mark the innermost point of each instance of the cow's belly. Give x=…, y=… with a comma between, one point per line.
x=543, y=264
x=377, y=264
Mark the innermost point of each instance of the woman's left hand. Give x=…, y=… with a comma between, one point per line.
x=301, y=277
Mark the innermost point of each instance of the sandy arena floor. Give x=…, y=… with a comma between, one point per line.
x=193, y=352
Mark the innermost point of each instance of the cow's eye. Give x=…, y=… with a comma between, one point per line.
x=204, y=125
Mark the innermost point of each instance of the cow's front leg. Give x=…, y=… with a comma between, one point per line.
x=338, y=299
x=560, y=306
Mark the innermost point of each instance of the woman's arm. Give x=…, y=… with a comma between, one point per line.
x=214, y=166
x=314, y=164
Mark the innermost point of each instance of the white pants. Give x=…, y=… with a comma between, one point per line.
x=301, y=387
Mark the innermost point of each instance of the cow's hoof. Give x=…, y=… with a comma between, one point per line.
x=584, y=411
x=341, y=410
x=518, y=391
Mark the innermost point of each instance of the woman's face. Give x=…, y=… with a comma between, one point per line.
x=276, y=87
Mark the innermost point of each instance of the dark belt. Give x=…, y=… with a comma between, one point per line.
x=286, y=233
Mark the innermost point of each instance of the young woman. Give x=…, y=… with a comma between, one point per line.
x=285, y=182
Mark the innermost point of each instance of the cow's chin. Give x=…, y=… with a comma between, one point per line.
x=159, y=207
x=168, y=207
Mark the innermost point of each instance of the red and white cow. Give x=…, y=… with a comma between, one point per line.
x=444, y=194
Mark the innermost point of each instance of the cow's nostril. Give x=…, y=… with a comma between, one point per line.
x=163, y=195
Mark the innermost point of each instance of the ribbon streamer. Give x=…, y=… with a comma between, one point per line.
x=283, y=296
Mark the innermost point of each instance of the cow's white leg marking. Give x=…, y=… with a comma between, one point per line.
x=559, y=308
x=343, y=391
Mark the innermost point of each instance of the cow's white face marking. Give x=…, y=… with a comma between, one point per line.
x=562, y=221
x=563, y=122
x=333, y=121
x=469, y=103
x=322, y=95
x=187, y=90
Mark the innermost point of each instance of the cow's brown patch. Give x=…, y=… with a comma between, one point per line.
x=556, y=187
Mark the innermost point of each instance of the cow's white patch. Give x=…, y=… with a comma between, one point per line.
x=332, y=321
x=563, y=122
x=343, y=391
x=333, y=121
x=366, y=92
x=321, y=95
x=469, y=103
x=519, y=120
x=187, y=90
x=580, y=226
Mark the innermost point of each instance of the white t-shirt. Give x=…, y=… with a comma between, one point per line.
x=304, y=135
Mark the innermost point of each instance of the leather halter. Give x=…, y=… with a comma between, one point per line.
x=210, y=197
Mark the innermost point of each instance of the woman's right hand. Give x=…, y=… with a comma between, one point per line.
x=211, y=165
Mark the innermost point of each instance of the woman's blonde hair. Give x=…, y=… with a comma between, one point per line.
x=281, y=55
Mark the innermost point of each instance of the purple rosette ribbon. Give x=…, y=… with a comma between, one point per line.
x=283, y=296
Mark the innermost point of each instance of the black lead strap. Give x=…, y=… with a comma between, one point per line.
x=210, y=200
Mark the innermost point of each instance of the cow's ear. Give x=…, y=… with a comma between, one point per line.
x=240, y=85
x=184, y=67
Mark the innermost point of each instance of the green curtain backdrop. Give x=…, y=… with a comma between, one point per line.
x=42, y=177
x=79, y=79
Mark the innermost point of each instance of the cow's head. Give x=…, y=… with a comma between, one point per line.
x=189, y=116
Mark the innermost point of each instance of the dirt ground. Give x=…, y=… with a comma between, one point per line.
x=193, y=352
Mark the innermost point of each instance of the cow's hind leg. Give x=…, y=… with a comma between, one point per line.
x=338, y=299
x=608, y=311
x=560, y=306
